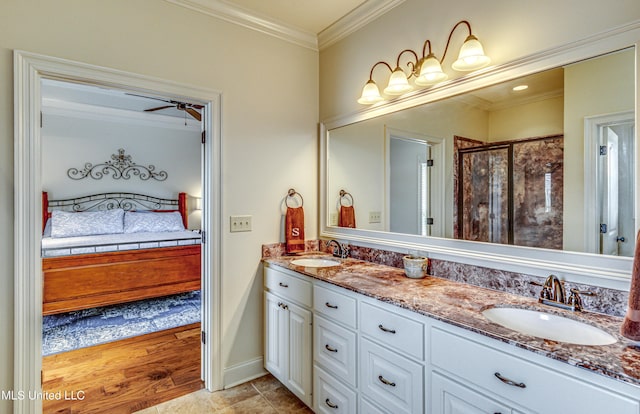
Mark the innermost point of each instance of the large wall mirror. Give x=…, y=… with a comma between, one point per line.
x=546, y=160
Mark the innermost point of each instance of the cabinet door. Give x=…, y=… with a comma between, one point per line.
x=299, y=348
x=449, y=397
x=275, y=336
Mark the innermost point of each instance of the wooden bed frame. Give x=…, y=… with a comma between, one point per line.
x=91, y=280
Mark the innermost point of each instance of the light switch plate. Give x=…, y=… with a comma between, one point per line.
x=375, y=217
x=240, y=223
x=333, y=219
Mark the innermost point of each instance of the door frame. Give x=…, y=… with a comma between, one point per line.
x=437, y=175
x=592, y=125
x=29, y=69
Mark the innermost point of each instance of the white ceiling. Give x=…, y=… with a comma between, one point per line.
x=309, y=15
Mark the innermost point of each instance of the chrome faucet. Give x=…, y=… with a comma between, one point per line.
x=553, y=293
x=340, y=250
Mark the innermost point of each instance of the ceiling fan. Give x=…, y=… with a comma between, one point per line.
x=189, y=108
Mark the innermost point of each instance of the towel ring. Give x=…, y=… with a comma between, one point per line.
x=291, y=194
x=343, y=195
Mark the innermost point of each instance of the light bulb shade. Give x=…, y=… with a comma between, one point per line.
x=370, y=94
x=430, y=71
x=398, y=83
x=471, y=56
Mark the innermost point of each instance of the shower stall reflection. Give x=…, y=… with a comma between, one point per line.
x=511, y=192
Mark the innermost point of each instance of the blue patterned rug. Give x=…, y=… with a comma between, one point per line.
x=80, y=329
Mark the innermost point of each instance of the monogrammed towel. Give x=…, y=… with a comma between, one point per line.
x=294, y=229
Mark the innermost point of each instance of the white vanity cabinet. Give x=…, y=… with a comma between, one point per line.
x=288, y=333
x=391, y=358
x=345, y=352
x=471, y=373
x=335, y=349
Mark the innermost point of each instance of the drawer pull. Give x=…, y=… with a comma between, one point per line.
x=330, y=349
x=330, y=404
x=386, y=381
x=510, y=382
x=283, y=285
x=328, y=305
x=382, y=328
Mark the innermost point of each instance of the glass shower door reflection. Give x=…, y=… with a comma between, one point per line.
x=484, y=195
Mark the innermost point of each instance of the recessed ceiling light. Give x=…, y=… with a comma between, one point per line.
x=520, y=87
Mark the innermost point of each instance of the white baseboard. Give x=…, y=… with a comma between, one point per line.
x=243, y=372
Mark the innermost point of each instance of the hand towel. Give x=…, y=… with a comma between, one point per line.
x=347, y=217
x=294, y=229
x=631, y=324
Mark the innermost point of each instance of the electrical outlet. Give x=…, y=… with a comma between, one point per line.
x=375, y=217
x=240, y=223
x=333, y=219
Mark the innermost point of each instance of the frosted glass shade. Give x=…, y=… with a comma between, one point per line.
x=430, y=71
x=370, y=94
x=398, y=83
x=471, y=56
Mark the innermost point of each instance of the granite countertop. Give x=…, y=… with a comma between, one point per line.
x=461, y=305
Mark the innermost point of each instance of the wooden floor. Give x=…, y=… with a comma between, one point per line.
x=124, y=376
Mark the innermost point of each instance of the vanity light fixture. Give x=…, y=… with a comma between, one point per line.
x=428, y=69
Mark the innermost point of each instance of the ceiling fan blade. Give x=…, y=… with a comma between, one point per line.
x=148, y=97
x=194, y=113
x=159, y=108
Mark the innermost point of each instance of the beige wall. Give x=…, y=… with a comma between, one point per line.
x=270, y=111
x=508, y=30
x=585, y=97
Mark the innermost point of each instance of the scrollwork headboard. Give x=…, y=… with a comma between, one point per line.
x=108, y=201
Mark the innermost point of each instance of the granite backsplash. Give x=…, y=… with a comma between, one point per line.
x=608, y=301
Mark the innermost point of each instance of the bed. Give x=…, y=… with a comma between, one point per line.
x=87, y=264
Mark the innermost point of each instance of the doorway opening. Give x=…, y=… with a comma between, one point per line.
x=414, y=183
x=609, y=184
x=29, y=71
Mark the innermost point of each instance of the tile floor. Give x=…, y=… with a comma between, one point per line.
x=262, y=395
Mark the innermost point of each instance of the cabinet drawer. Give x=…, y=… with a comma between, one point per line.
x=482, y=366
x=288, y=286
x=390, y=380
x=331, y=396
x=402, y=334
x=337, y=306
x=368, y=408
x=335, y=349
x=448, y=396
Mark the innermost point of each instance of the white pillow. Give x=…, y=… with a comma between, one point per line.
x=86, y=223
x=152, y=222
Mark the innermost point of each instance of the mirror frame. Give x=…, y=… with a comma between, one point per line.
x=599, y=270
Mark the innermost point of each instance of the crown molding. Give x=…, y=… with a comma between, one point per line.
x=246, y=18
x=354, y=20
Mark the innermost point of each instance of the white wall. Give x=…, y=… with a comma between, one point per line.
x=71, y=142
x=270, y=111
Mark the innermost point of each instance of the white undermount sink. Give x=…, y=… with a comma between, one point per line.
x=548, y=326
x=315, y=262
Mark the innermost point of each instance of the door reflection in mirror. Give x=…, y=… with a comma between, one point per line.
x=616, y=189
